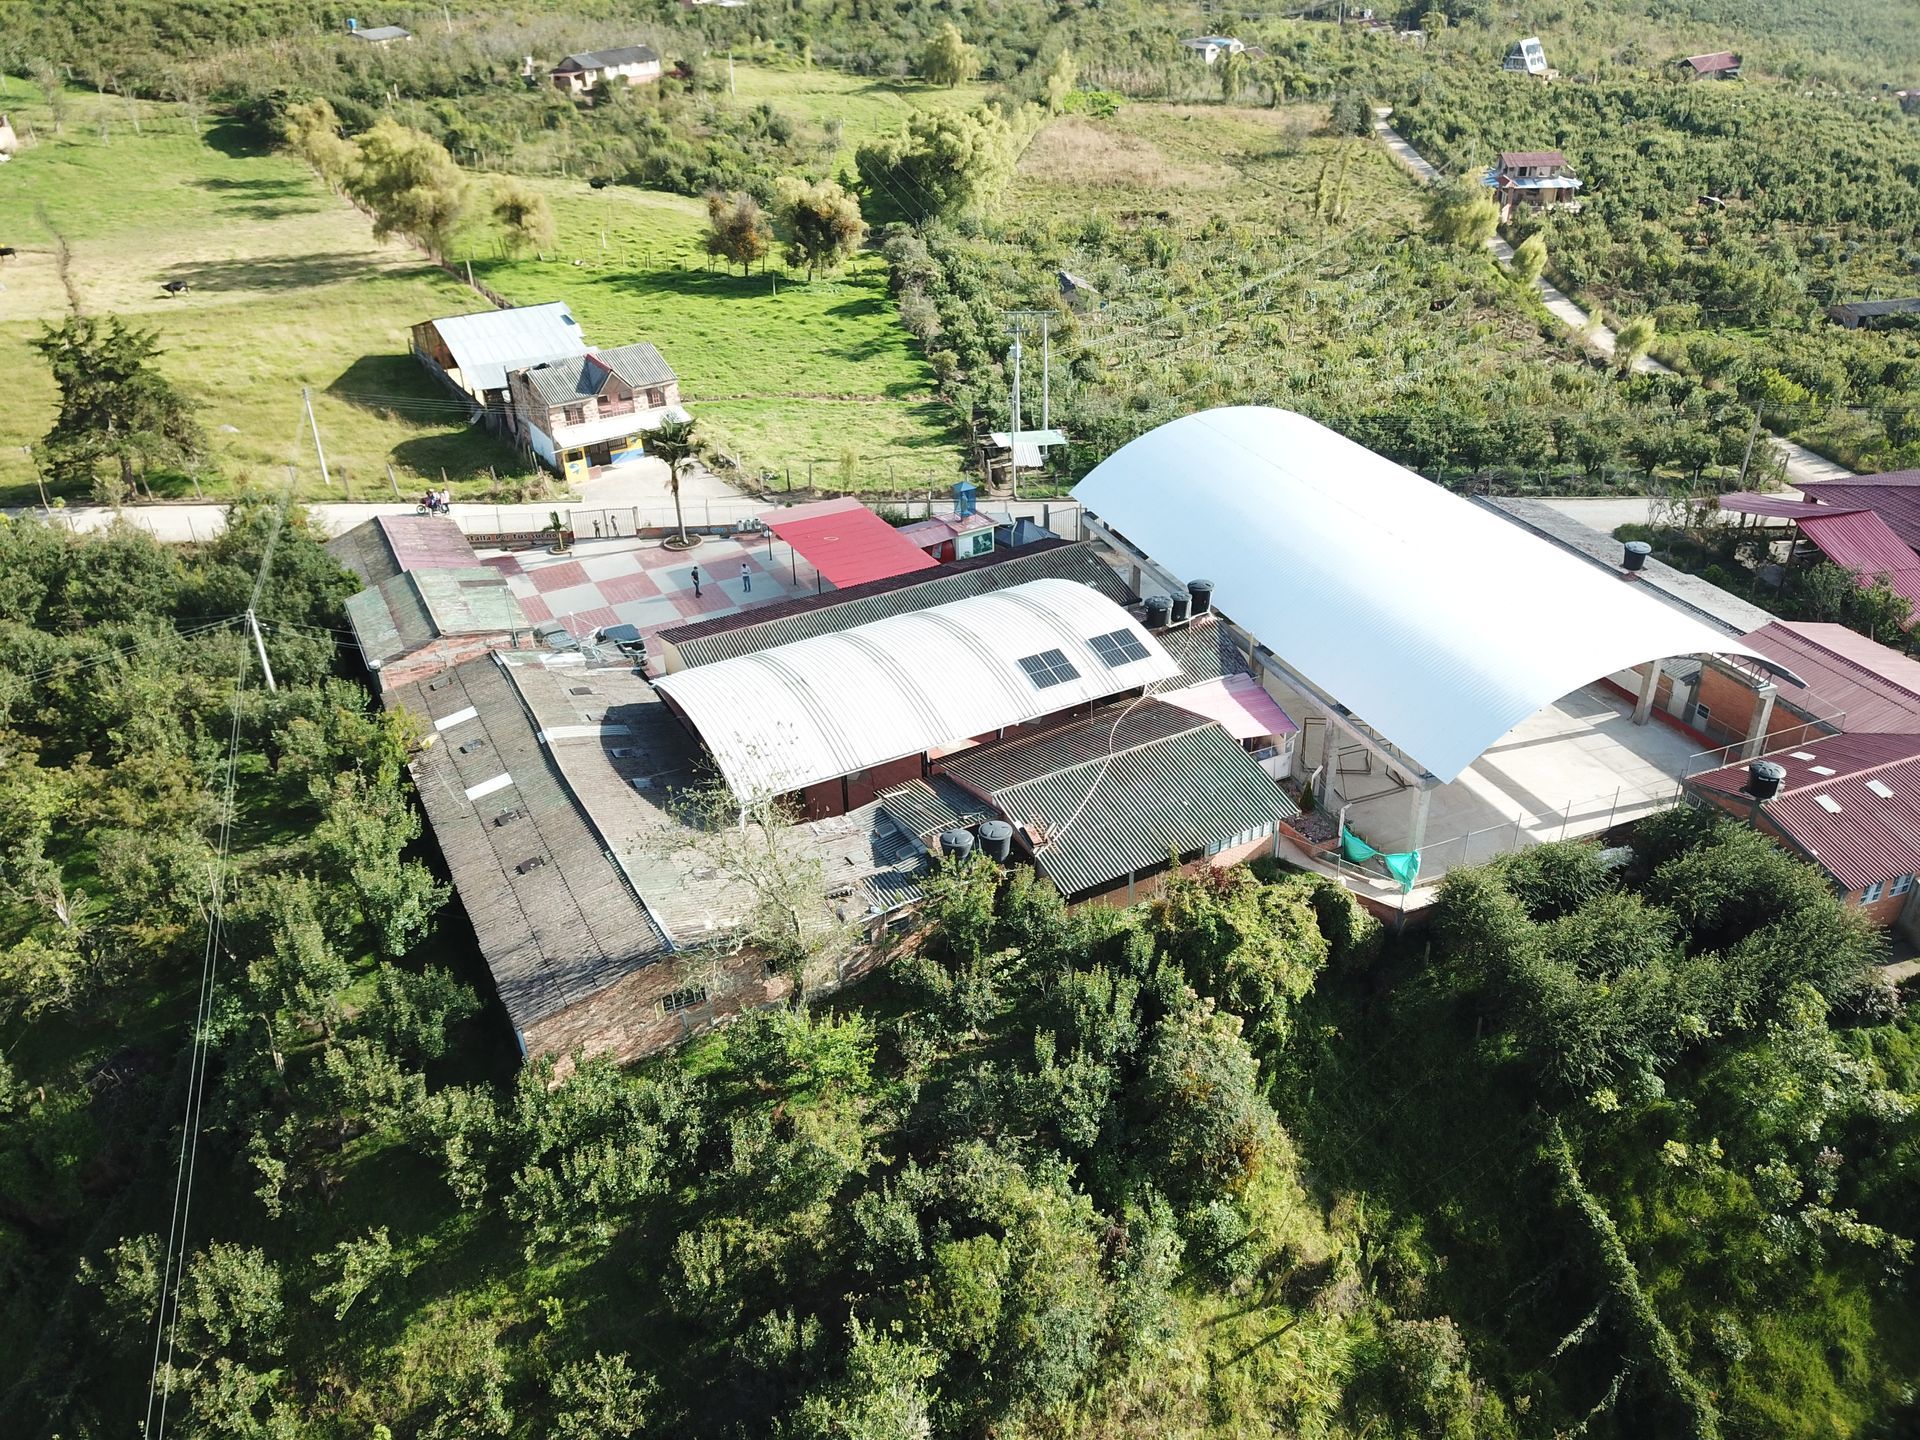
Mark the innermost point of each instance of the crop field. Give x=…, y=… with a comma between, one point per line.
x=778, y=372
x=290, y=289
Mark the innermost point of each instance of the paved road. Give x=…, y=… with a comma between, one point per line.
x=1801, y=464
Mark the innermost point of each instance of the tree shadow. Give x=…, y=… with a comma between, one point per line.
x=272, y=272
x=236, y=139
x=261, y=188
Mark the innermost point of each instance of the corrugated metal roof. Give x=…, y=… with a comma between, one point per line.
x=398, y=616
x=610, y=59
x=1776, y=507
x=925, y=808
x=764, y=626
x=387, y=545
x=1439, y=624
x=1122, y=790
x=1850, y=679
x=1511, y=159
x=552, y=932
x=790, y=717
x=1894, y=497
x=1860, y=541
x=1204, y=649
x=1857, y=835
x=578, y=377
x=488, y=343
x=1239, y=704
x=847, y=542
x=1708, y=64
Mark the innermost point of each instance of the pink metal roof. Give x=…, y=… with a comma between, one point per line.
x=1778, y=507
x=1862, y=685
x=1718, y=60
x=1858, y=836
x=1238, y=703
x=426, y=542
x=1894, y=497
x=1861, y=541
x=848, y=543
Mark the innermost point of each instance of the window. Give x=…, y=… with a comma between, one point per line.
x=576, y=415
x=683, y=999
x=1902, y=884
x=1873, y=892
x=656, y=398
x=1048, y=669
x=1119, y=648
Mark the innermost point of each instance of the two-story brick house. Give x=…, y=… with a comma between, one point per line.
x=1536, y=178
x=583, y=411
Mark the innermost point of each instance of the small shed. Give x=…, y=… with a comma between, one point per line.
x=1856, y=313
x=1720, y=65
x=1211, y=47
x=1527, y=57
x=952, y=537
x=377, y=34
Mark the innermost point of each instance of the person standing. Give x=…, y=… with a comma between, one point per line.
x=746, y=578
x=696, y=582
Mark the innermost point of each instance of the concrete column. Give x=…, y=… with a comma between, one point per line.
x=1756, y=743
x=1417, y=830
x=1137, y=578
x=1643, y=707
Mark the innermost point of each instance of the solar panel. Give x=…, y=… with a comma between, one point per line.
x=1119, y=648
x=1049, y=668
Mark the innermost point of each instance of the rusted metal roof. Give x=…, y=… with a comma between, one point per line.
x=1517, y=159
x=1832, y=807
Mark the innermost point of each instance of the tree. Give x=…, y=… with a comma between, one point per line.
x=357, y=1267
x=883, y=1395
x=1062, y=76
x=1232, y=73
x=600, y=1399
x=115, y=405
x=410, y=184
x=940, y=163
x=948, y=59
x=1530, y=258
x=823, y=225
x=311, y=129
x=53, y=89
x=673, y=442
x=525, y=219
x=737, y=229
x=1632, y=340
x=1462, y=214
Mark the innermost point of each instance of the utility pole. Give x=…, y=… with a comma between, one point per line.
x=1013, y=436
x=1046, y=372
x=1752, y=435
x=448, y=13
x=731, y=91
x=260, y=647
x=306, y=398
x=39, y=479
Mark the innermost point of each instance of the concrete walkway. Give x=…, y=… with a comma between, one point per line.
x=1801, y=464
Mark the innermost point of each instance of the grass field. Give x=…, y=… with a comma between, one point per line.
x=290, y=289
x=854, y=107
x=778, y=373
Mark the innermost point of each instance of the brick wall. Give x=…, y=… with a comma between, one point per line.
x=628, y=1019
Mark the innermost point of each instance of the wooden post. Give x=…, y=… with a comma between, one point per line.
x=394, y=482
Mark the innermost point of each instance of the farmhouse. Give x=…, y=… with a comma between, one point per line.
x=1720, y=65
x=1539, y=179
x=592, y=69
x=1527, y=57
x=1449, y=671
x=1847, y=804
x=472, y=354
x=1211, y=47
x=579, y=412
x=1854, y=314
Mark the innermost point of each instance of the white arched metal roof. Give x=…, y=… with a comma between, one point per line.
x=814, y=710
x=1437, y=623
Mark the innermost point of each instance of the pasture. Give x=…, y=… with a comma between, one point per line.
x=289, y=288
x=779, y=372
x=852, y=109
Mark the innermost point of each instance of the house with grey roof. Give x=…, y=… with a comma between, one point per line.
x=471, y=354
x=591, y=69
x=579, y=412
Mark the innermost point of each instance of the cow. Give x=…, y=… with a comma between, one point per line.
x=176, y=287
x=598, y=183
x=7, y=252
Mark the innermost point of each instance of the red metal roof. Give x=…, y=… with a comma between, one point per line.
x=1894, y=497
x=1718, y=60
x=1857, y=835
x=848, y=543
x=1860, y=541
x=1860, y=685
x=426, y=542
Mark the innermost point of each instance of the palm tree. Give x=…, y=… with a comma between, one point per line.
x=673, y=442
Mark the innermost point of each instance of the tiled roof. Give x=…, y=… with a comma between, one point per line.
x=1831, y=805
x=1122, y=790
x=1861, y=685
x=763, y=626
x=555, y=918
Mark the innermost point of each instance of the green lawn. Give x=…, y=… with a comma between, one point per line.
x=779, y=372
x=290, y=289
x=860, y=106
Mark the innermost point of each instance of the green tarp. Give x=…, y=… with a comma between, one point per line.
x=1404, y=867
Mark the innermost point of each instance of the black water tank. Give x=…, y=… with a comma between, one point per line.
x=1764, y=779
x=1180, y=604
x=957, y=844
x=1636, y=556
x=1202, y=593
x=996, y=840
x=1158, y=609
